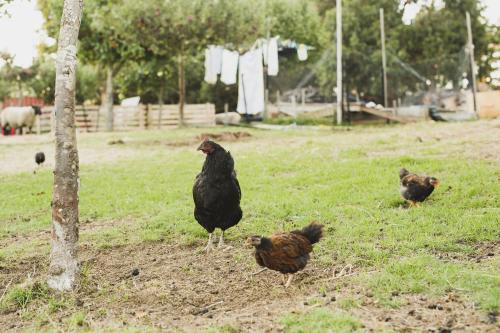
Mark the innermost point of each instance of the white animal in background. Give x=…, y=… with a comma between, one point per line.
x=20, y=116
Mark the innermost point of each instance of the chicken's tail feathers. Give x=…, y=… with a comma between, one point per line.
x=313, y=232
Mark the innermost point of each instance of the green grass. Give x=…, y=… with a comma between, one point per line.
x=320, y=320
x=289, y=179
x=19, y=297
x=426, y=274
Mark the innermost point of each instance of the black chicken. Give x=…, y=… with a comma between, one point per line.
x=416, y=188
x=287, y=252
x=39, y=158
x=216, y=192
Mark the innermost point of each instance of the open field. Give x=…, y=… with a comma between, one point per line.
x=381, y=267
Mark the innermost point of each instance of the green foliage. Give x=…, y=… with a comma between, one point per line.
x=142, y=41
x=320, y=320
x=433, y=45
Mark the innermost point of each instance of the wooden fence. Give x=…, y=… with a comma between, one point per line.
x=128, y=118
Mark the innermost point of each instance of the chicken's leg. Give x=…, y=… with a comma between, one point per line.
x=290, y=278
x=209, y=246
x=283, y=278
x=221, y=239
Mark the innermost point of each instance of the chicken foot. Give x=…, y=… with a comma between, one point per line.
x=221, y=240
x=209, y=246
x=289, y=281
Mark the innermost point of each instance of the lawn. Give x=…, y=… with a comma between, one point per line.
x=136, y=201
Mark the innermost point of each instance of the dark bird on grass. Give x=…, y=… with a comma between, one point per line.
x=39, y=159
x=287, y=252
x=416, y=188
x=216, y=192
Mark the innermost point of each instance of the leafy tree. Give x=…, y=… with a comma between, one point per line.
x=103, y=40
x=12, y=73
x=180, y=30
x=432, y=45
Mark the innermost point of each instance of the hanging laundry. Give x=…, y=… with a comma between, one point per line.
x=272, y=57
x=229, y=66
x=210, y=75
x=264, y=45
x=213, y=62
x=302, y=52
x=251, y=83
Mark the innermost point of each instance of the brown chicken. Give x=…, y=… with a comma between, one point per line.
x=286, y=253
x=416, y=188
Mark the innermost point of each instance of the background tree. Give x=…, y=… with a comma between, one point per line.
x=104, y=41
x=181, y=30
x=64, y=271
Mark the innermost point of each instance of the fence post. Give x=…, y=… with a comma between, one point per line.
x=226, y=115
x=38, y=131
x=52, y=120
x=143, y=114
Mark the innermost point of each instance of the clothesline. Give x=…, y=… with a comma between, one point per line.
x=248, y=69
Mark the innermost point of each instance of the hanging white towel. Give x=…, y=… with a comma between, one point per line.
x=251, y=83
x=229, y=66
x=217, y=58
x=264, y=46
x=210, y=75
x=213, y=62
x=272, y=57
x=302, y=52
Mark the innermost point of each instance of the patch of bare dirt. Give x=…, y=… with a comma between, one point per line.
x=176, y=288
x=485, y=250
x=220, y=137
x=224, y=136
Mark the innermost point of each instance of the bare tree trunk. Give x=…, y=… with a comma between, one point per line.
x=64, y=271
x=182, y=89
x=109, y=99
x=20, y=89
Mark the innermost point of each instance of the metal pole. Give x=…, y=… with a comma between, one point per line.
x=470, y=47
x=339, y=62
x=226, y=115
x=266, y=76
x=384, y=63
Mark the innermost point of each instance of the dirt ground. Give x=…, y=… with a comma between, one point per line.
x=176, y=288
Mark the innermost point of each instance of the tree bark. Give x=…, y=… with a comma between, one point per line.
x=109, y=99
x=182, y=89
x=64, y=271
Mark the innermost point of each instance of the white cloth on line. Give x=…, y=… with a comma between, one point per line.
x=302, y=52
x=264, y=46
x=251, y=83
x=213, y=62
x=229, y=66
x=272, y=57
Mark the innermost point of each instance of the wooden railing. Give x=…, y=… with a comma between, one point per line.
x=128, y=118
